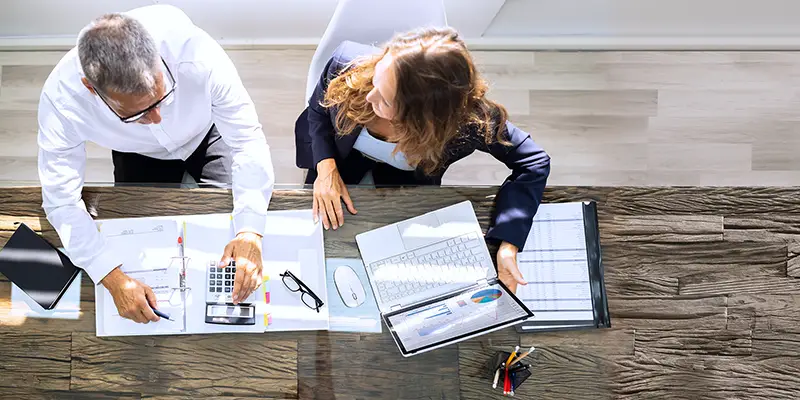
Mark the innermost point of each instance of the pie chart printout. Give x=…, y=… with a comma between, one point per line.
x=486, y=296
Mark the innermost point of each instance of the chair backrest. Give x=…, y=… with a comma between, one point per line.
x=371, y=22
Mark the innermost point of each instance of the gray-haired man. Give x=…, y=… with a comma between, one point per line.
x=164, y=96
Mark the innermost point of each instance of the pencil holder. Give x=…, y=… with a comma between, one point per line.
x=521, y=374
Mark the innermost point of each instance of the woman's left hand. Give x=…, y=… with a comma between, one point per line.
x=507, y=269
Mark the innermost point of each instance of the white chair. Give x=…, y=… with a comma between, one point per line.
x=371, y=22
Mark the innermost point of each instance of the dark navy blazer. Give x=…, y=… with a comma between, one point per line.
x=519, y=196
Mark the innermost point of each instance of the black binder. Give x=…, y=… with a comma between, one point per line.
x=594, y=257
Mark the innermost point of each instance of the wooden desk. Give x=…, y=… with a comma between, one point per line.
x=702, y=292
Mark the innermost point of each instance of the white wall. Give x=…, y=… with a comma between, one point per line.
x=230, y=21
x=647, y=18
x=567, y=24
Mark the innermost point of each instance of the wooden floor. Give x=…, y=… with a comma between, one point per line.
x=702, y=286
x=607, y=118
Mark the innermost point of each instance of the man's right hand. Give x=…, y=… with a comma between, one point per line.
x=329, y=191
x=132, y=298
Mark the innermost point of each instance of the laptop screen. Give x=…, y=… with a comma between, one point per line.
x=471, y=312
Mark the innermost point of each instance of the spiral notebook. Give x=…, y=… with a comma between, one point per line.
x=562, y=263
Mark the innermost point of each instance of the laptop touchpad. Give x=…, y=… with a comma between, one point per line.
x=420, y=231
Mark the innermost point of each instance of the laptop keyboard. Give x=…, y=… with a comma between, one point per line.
x=460, y=259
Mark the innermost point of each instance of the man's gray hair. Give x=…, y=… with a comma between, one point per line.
x=118, y=54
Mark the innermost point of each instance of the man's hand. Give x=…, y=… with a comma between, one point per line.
x=245, y=250
x=507, y=269
x=132, y=298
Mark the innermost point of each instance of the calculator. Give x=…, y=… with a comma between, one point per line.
x=219, y=297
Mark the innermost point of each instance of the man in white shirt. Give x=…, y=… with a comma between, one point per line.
x=164, y=96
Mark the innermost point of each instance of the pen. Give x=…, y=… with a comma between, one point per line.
x=161, y=314
x=520, y=367
x=521, y=356
x=496, y=377
x=513, y=376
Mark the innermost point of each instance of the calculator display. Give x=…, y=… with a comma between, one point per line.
x=229, y=311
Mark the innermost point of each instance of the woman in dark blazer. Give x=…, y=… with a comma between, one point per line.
x=406, y=113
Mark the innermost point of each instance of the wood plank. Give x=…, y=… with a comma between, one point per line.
x=10, y=223
x=793, y=263
x=621, y=284
x=36, y=394
x=763, y=311
x=594, y=102
x=34, y=359
x=697, y=262
x=682, y=312
x=769, y=285
x=773, y=222
x=693, y=342
x=195, y=365
x=608, y=341
x=662, y=228
x=117, y=202
x=779, y=342
x=370, y=366
x=722, y=200
x=171, y=397
x=715, y=377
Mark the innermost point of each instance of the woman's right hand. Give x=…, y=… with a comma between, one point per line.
x=329, y=191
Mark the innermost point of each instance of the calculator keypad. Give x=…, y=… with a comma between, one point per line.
x=220, y=283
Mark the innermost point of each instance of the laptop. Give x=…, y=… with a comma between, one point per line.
x=434, y=280
x=38, y=268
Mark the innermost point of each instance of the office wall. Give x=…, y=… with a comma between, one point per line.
x=489, y=23
x=271, y=22
x=654, y=18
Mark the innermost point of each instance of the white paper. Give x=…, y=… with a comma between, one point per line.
x=555, y=265
x=68, y=307
x=148, y=248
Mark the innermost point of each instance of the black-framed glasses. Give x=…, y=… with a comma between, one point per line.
x=140, y=114
x=294, y=284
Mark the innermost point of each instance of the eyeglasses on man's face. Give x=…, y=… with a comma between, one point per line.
x=294, y=284
x=137, y=116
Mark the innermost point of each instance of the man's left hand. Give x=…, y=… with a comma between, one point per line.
x=245, y=250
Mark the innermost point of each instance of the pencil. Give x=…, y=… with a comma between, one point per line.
x=521, y=356
x=496, y=377
x=511, y=356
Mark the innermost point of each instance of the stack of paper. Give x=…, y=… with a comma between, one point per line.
x=555, y=265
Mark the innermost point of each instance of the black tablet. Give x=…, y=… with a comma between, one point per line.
x=38, y=268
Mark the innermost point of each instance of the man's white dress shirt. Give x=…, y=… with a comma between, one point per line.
x=209, y=91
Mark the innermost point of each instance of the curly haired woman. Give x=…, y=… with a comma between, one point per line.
x=405, y=113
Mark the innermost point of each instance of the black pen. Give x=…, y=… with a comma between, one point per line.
x=519, y=367
x=161, y=314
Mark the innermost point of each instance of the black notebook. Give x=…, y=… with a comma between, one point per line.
x=38, y=268
x=562, y=263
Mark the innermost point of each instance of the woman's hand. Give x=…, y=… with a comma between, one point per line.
x=507, y=269
x=329, y=191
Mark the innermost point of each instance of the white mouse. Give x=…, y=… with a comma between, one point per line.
x=349, y=286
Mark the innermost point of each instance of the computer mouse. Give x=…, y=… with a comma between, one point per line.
x=349, y=286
